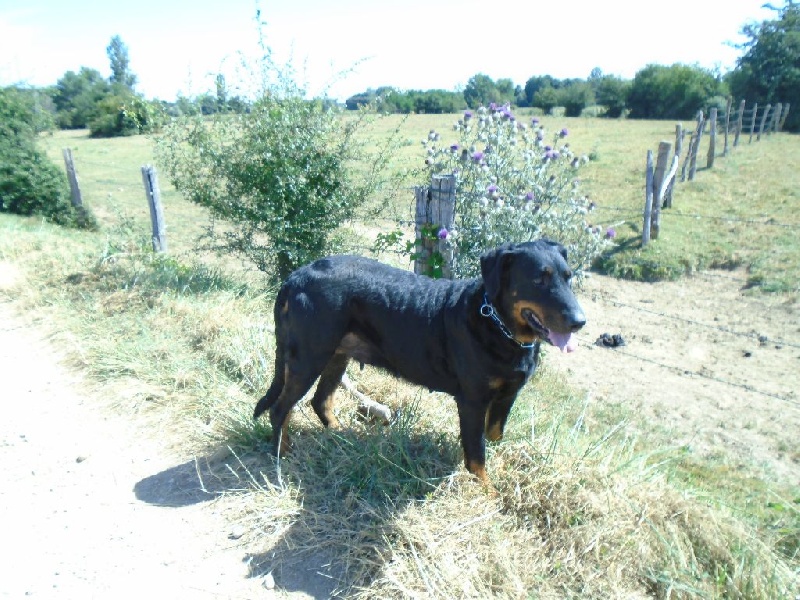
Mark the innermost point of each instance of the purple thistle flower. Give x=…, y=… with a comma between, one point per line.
x=611, y=233
x=529, y=196
x=535, y=121
x=563, y=132
x=477, y=156
x=442, y=235
x=550, y=155
x=467, y=114
x=454, y=147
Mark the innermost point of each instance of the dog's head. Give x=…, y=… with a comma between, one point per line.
x=529, y=284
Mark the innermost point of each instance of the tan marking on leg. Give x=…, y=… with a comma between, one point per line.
x=329, y=419
x=286, y=444
x=494, y=433
x=478, y=470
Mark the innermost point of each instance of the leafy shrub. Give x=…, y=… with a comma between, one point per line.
x=29, y=182
x=282, y=175
x=126, y=114
x=674, y=92
x=512, y=185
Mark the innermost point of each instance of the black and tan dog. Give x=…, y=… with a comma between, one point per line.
x=476, y=339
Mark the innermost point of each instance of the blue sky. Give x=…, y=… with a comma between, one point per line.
x=177, y=46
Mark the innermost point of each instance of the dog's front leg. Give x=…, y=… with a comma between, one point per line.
x=472, y=418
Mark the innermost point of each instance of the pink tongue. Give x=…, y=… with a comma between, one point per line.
x=566, y=342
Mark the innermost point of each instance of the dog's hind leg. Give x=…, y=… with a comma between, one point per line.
x=295, y=386
x=331, y=376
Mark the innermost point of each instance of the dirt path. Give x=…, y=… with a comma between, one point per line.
x=91, y=506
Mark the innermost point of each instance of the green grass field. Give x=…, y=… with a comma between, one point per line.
x=581, y=510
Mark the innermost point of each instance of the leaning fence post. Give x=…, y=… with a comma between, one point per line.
x=151, y=189
x=701, y=123
x=660, y=185
x=727, y=124
x=776, y=118
x=680, y=133
x=435, y=210
x=648, y=199
x=753, y=122
x=72, y=175
x=783, y=116
x=712, y=139
x=739, y=124
x=763, y=121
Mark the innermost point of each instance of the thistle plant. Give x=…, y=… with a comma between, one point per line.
x=512, y=185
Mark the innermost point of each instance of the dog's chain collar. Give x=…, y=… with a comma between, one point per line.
x=487, y=310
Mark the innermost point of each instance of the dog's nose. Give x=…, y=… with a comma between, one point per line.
x=576, y=320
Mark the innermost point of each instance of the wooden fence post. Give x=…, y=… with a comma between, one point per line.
x=648, y=199
x=739, y=121
x=435, y=210
x=151, y=189
x=783, y=116
x=763, y=121
x=701, y=123
x=712, y=143
x=680, y=133
x=72, y=175
x=753, y=122
x=776, y=117
x=727, y=125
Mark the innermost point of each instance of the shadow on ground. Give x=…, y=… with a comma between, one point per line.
x=347, y=488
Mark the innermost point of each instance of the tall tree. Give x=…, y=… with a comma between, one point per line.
x=120, y=63
x=674, y=92
x=769, y=70
x=77, y=95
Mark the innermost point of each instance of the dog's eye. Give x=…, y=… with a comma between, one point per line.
x=538, y=280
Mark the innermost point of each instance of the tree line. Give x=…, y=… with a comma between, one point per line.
x=767, y=72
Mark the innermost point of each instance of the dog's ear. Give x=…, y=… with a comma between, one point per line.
x=559, y=248
x=492, y=265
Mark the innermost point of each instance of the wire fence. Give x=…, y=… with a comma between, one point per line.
x=662, y=175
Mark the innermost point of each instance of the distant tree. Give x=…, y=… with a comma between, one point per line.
x=481, y=90
x=534, y=84
x=575, y=97
x=546, y=98
x=30, y=184
x=674, y=92
x=612, y=93
x=769, y=70
x=76, y=97
x=120, y=64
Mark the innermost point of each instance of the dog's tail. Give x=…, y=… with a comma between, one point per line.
x=275, y=388
x=279, y=378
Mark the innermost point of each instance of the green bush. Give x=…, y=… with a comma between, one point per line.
x=283, y=177
x=30, y=184
x=126, y=114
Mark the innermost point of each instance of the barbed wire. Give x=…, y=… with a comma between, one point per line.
x=727, y=330
x=714, y=378
x=750, y=220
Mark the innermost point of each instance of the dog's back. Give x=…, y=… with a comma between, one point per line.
x=373, y=313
